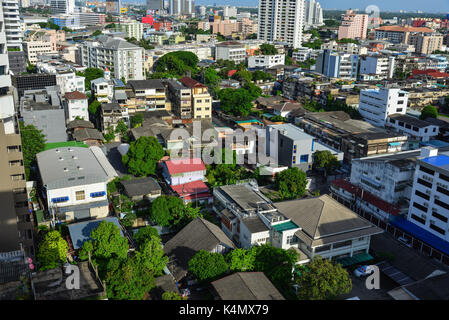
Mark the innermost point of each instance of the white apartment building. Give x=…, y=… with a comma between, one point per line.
x=416, y=129
x=313, y=14
x=75, y=105
x=11, y=19
x=62, y=6
x=68, y=81
x=429, y=203
x=265, y=61
x=229, y=12
x=103, y=89
x=74, y=182
x=303, y=54
x=281, y=21
x=381, y=67
x=123, y=59
x=230, y=50
x=377, y=104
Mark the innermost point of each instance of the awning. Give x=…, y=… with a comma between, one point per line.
x=358, y=258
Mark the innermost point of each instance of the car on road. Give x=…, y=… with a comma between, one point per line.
x=363, y=271
x=405, y=241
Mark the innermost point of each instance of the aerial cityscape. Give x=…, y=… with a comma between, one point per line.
x=211, y=151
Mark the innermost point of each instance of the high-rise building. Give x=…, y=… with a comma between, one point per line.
x=11, y=19
x=181, y=7
x=155, y=4
x=62, y=6
x=229, y=12
x=376, y=105
x=313, y=14
x=281, y=21
x=15, y=219
x=353, y=26
x=337, y=64
x=429, y=207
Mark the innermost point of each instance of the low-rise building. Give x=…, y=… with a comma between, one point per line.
x=181, y=171
x=181, y=99
x=201, y=98
x=265, y=61
x=143, y=188
x=75, y=106
x=230, y=50
x=111, y=114
x=74, y=182
x=146, y=95
x=415, y=129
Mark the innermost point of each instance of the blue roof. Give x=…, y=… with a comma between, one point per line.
x=441, y=160
x=80, y=232
x=435, y=143
x=422, y=234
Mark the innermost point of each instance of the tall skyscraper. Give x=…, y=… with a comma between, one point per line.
x=155, y=4
x=313, y=14
x=13, y=29
x=15, y=219
x=181, y=7
x=62, y=6
x=281, y=20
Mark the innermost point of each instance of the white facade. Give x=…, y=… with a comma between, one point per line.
x=234, y=52
x=351, y=48
x=377, y=104
x=69, y=82
x=429, y=204
x=281, y=21
x=132, y=28
x=313, y=14
x=35, y=48
x=103, y=90
x=125, y=60
x=303, y=54
x=62, y=6
x=381, y=66
x=76, y=108
x=266, y=61
x=229, y=12
x=413, y=128
x=11, y=18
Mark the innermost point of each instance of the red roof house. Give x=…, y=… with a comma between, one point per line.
x=193, y=191
x=181, y=171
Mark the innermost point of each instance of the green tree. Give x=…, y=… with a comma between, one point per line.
x=211, y=77
x=236, y=102
x=122, y=129
x=429, y=112
x=207, y=266
x=96, y=33
x=165, y=209
x=325, y=160
x=110, y=134
x=243, y=75
x=144, y=234
x=52, y=251
x=324, y=280
x=170, y=295
x=177, y=63
x=142, y=156
x=33, y=142
x=136, y=120
x=90, y=74
x=94, y=107
x=268, y=49
x=151, y=256
x=291, y=183
x=241, y=259
x=129, y=219
x=277, y=264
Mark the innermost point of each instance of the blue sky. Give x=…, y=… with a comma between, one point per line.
x=384, y=5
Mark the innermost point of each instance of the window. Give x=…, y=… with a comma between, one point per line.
x=292, y=239
x=322, y=248
x=437, y=229
x=304, y=158
x=441, y=204
x=420, y=220
x=443, y=191
x=426, y=170
x=420, y=207
x=80, y=195
x=425, y=183
x=422, y=195
x=443, y=177
x=342, y=244
x=439, y=216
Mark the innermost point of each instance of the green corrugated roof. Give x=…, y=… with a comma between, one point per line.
x=54, y=145
x=285, y=226
x=39, y=216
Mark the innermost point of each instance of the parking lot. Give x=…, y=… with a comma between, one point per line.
x=359, y=289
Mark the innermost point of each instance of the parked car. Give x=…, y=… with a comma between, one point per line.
x=363, y=271
x=405, y=241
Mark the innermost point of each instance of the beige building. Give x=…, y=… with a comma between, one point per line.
x=426, y=43
x=201, y=99
x=353, y=26
x=146, y=95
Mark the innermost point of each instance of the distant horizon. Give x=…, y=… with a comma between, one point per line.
x=433, y=6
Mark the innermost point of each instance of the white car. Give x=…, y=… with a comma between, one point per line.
x=363, y=271
x=405, y=241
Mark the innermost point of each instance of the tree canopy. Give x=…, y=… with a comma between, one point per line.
x=144, y=234
x=291, y=183
x=177, y=63
x=324, y=280
x=238, y=102
x=325, y=160
x=170, y=295
x=52, y=251
x=142, y=156
x=136, y=120
x=242, y=259
x=90, y=74
x=207, y=266
x=429, y=112
x=33, y=142
x=170, y=211
x=268, y=49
